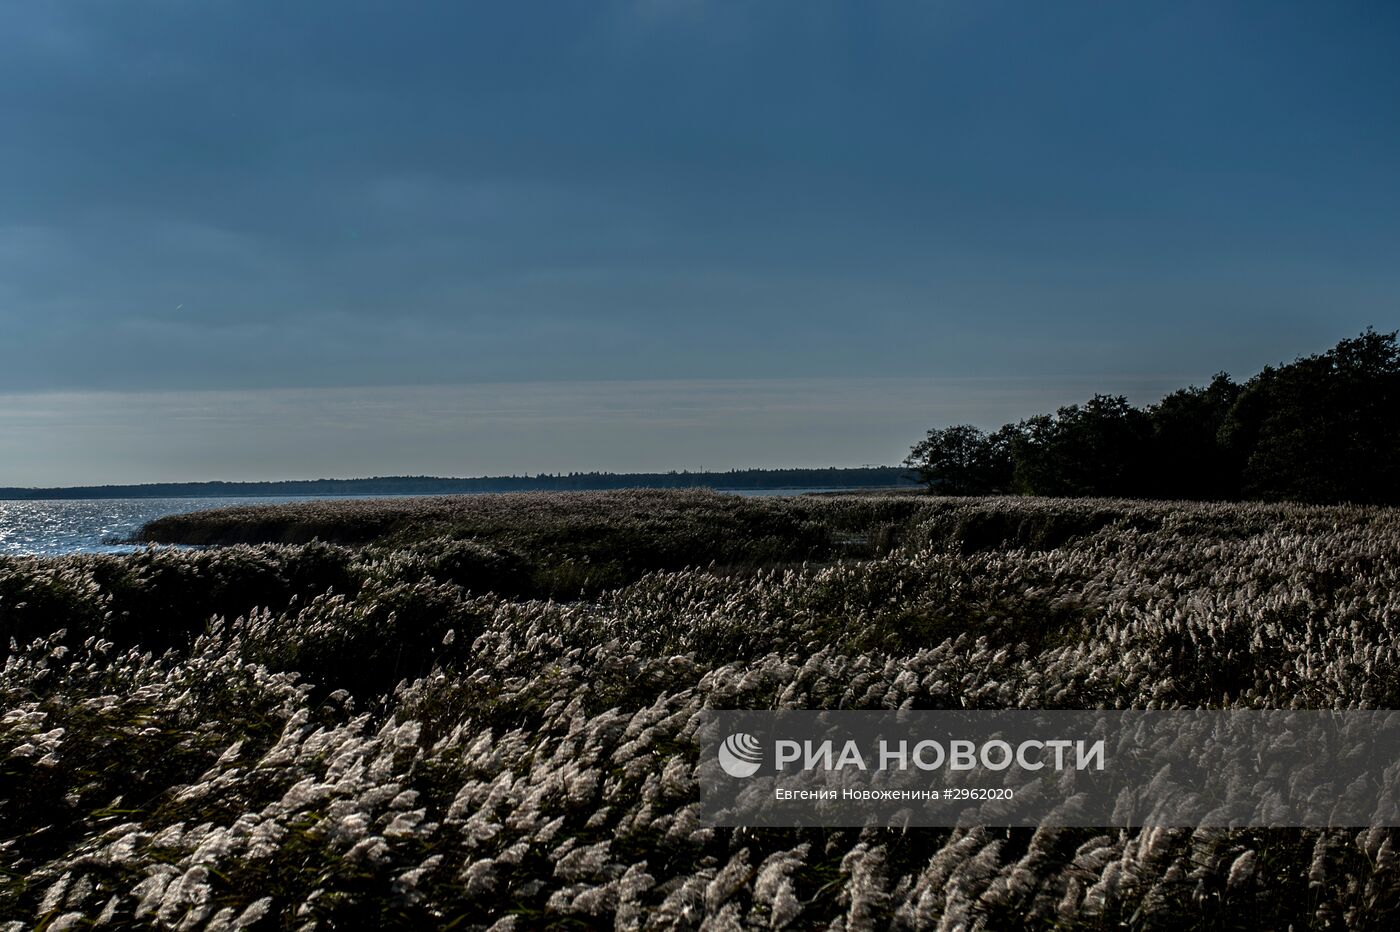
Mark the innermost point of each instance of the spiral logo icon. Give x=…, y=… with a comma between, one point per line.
x=740, y=755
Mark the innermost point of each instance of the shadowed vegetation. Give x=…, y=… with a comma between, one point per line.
x=402, y=729
x=1323, y=429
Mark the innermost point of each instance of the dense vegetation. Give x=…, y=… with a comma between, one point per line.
x=399, y=734
x=608, y=531
x=1323, y=429
x=831, y=477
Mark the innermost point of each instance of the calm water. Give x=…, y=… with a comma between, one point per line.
x=93, y=526
x=101, y=525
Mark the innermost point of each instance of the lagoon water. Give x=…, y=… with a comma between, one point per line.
x=54, y=526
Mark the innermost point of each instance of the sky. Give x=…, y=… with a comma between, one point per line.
x=257, y=240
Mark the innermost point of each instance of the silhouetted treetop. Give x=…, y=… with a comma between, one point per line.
x=1323, y=428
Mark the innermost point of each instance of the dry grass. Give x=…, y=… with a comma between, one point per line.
x=403, y=736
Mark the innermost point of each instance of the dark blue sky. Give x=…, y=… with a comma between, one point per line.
x=237, y=205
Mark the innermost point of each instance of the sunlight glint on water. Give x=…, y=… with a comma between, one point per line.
x=93, y=526
x=54, y=526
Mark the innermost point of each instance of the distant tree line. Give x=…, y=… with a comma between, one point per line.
x=735, y=479
x=1324, y=428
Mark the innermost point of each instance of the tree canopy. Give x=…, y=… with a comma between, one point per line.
x=1323, y=428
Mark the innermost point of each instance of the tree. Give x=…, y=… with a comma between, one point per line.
x=1324, y=428
x=1098, y=448
x=1187, y=457
x=961, y=460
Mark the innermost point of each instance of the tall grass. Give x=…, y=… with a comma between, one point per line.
x=408, y=732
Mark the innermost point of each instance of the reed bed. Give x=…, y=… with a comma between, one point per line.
x=423, y=722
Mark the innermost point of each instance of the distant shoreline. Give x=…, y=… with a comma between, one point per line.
x=873, y=477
